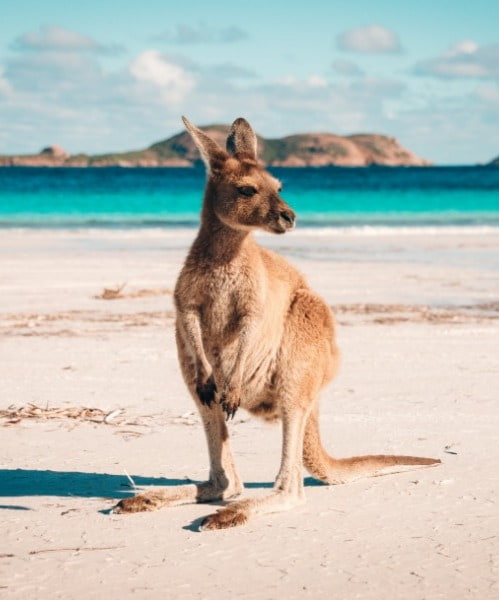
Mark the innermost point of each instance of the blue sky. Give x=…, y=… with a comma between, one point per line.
x=101, y=76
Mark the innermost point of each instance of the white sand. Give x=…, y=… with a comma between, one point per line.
x=413, y=380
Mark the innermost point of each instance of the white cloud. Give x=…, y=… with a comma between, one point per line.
x=369, y=39
x=226, y=70
x=153, y=67
x=451, y=129
x=464, y=47
x=374, y=87
x=53, y=38
x=316, y=81
x=51, y=72
x=202, y=34
x=311, y=82
x=5, y=86
x=292, y=105
x=347, y=68
x=286, y=80
x=463, y=60
x=83, y=108
x=488, y=94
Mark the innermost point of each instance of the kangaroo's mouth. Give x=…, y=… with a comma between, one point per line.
x=285, y=221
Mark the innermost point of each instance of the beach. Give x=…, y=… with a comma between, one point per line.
x=87, y=322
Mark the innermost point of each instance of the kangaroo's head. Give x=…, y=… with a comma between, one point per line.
x=240, y=192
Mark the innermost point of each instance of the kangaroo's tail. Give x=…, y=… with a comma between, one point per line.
x=342, y=470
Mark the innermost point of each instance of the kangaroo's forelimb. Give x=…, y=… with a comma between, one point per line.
x=189, y=323
x=230, y=393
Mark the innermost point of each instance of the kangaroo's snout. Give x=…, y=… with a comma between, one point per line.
x=287, y=219
x=283, y=218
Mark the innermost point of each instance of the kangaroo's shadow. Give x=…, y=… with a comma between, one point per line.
x=26, y=482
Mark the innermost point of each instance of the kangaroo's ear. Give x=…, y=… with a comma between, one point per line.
x=242, y=139
x=212, y=154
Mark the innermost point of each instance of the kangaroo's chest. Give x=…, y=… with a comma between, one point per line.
x=237, y=306
x=227, y=296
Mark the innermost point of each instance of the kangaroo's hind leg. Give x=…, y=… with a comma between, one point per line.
x=303, y=368
x=288, y=488
x=223, y=482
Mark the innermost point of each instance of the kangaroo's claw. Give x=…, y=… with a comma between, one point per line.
x=229, y=407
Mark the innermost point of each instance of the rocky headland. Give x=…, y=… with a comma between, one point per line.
x=300, y=150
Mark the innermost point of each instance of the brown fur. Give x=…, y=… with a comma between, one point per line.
x=251, y=333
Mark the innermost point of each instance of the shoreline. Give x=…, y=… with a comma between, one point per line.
x=199, y=166
x=182, y=229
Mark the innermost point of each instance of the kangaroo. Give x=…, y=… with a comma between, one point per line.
x=251, y=333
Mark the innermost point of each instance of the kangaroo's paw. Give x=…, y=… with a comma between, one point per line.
x=230, y=399
x=142, y=503
x=206, y=392
x=230, y=516
x=229, y=402
x=229, y=408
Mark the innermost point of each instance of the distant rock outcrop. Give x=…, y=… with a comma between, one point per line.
x=300, y=150
x=55, y=152
x=51, y=156
x=495, y=162
x=323, y=149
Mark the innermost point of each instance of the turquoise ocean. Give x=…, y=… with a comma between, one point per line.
x=322, y=197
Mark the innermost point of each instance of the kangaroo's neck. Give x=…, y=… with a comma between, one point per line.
x=218, y=244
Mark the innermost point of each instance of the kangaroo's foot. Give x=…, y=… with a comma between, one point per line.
x=239, y=512
x=141, y=503
x=181, y=494
x=233, y=515
x=154, y=499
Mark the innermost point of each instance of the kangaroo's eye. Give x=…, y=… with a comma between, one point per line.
x=247, y=190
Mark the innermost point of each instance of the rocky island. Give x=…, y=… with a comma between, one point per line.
x=300, y=150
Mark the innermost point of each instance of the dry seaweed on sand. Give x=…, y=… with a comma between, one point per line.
x=111, y=293
x=16, y=414
x=118, y=293
x=390, y=314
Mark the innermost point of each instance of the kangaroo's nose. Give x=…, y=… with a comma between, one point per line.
x=288, y=216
